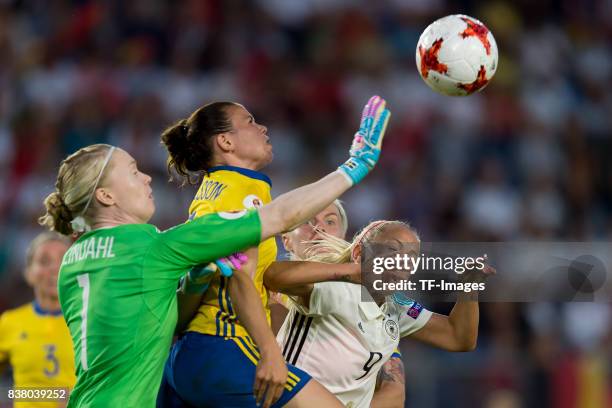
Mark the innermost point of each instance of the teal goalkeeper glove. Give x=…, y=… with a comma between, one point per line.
x=198, y=279
x=365, y=150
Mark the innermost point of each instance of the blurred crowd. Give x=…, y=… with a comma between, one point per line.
x=526, y=159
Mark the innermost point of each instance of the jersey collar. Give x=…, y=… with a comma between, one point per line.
x=245, y=172
x=369, y=308
x=42, y=312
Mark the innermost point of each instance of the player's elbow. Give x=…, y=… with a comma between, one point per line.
x=468, y=347
x=464, y=345
x=270, y=280
x=275, y=277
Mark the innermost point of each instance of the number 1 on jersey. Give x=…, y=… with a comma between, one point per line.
x=84, y=283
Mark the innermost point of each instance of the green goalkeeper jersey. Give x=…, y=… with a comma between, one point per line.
x=117, y=289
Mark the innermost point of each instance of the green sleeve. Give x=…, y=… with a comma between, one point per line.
x=207, y=238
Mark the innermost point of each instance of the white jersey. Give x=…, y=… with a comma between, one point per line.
x=343, y=342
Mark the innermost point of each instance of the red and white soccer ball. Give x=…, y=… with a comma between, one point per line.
x=456, y=55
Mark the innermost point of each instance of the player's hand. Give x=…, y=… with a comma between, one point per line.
x=228, y=264
x=197, y=280
x=474, y=276
x=365, y=149
x=478, y=275
x=270, y=377
x=199, y=277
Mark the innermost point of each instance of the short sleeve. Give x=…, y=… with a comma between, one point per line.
x=205, y=239
x=412, y=317
x=200, y=209
x=4, y=347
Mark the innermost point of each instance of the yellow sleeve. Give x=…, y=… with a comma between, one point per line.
x=4, y=347
x=200, y=208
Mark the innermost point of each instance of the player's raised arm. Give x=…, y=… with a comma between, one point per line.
x=192, y=243
x=295, y=207
x=459, y=330
x=456, y=332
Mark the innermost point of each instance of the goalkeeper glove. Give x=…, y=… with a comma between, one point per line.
x=365, y=149
x=198, y=279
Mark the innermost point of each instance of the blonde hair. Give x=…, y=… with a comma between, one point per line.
x=331, y=249
x=342, y=212
x=343, y=227
x=41, y=239
x=79, y=175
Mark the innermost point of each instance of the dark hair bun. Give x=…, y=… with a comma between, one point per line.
x=190, y=141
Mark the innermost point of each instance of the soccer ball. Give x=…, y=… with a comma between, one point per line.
x=456, y=55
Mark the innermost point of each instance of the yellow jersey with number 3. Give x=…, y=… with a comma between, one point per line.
x=38, y=346
x=224, y=189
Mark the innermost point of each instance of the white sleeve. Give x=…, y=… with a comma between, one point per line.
x=413, y=317
x=327, y=298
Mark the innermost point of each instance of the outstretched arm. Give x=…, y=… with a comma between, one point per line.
x=291, y=209
x=297, y=277
x=295, y=207
x=459, y=330
x=455, y=332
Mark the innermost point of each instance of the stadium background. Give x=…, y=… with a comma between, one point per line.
x=528, y=159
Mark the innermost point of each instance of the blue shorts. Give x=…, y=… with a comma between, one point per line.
x=214, y=371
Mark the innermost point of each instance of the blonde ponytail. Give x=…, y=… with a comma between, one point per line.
x=331, y=249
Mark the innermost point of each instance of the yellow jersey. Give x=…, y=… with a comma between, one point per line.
x=38, y=346
x=229, y=188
